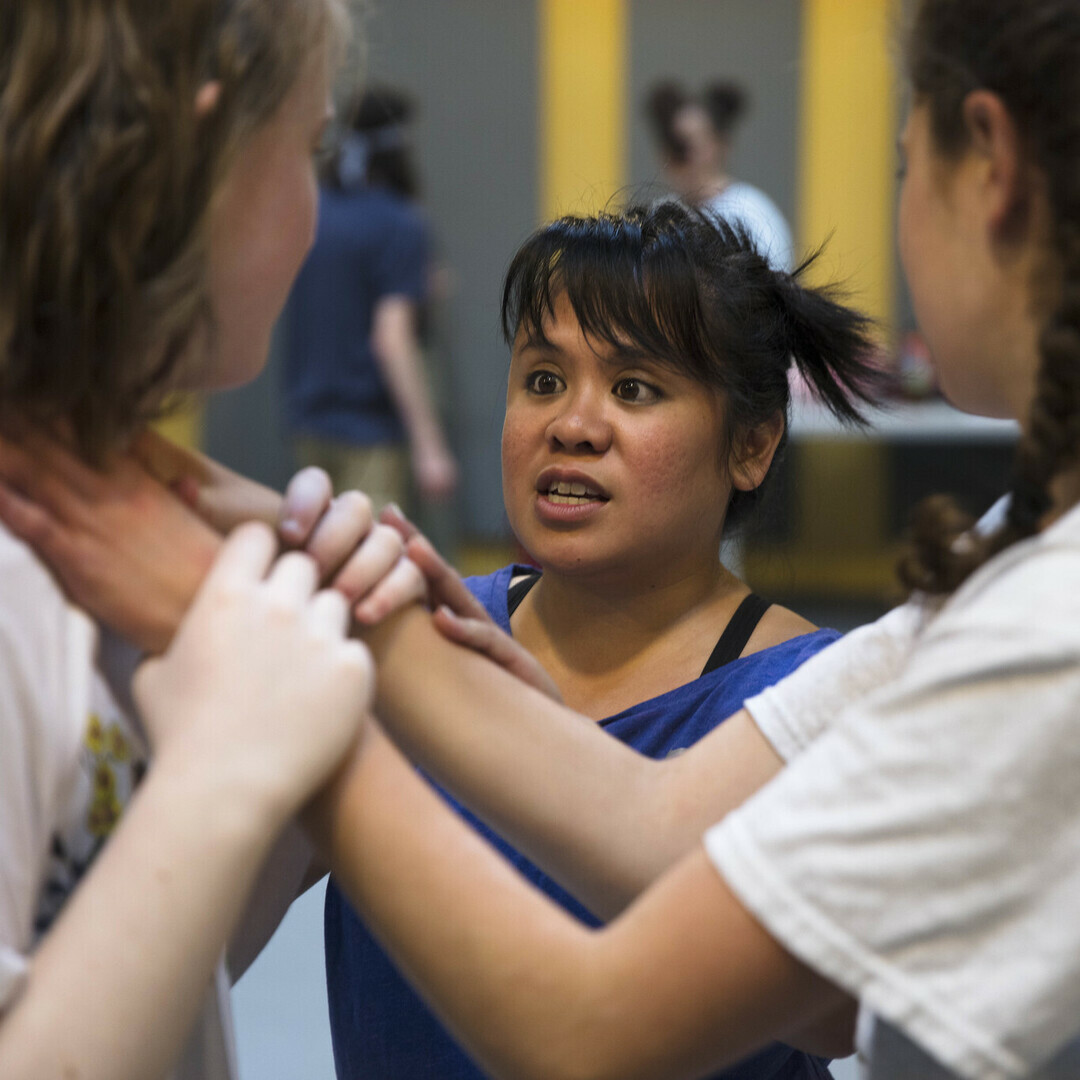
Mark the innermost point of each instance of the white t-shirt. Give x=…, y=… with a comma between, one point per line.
x=761, y=216
x=70, y=755
x=923, y=851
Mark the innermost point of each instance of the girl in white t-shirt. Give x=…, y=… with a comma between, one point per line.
x=919, y=858
x=157, y=196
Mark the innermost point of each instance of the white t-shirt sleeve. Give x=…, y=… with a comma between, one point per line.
x=42, y=662
x=795, y=711
x=924, y=853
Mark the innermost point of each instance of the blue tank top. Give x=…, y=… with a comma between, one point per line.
x=382, y=1031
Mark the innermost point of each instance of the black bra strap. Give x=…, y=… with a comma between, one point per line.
x=516, y=593
x=732, y=641
x=737, y=632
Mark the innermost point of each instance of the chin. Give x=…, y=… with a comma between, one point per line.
x=233, y=367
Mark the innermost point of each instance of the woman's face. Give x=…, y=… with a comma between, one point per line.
x=263, y=225
x=704, y=153
x=970, y=287
x=612, y=463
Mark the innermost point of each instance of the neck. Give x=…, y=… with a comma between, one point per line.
x=708, y=187
x=611, y=642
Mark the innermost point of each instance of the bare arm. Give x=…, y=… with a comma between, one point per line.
x=397, y=352
x=683, y=982
x=116, y=984
x=601, y=818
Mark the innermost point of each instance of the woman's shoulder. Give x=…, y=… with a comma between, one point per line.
x=492, y=589
x=778, y=625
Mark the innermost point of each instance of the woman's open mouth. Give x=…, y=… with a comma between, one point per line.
x=572, y=493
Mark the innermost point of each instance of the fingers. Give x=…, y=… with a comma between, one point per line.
x=369, y=563
x=392, y=515
x=293, y=579
x=403, y=585
x=23, y=466
x=483, y=636
x=245, y=556
x=480, y=635
x=30, y=522
x=444, y=582
x=340, y=531
x=307, y=498
x=329, y=613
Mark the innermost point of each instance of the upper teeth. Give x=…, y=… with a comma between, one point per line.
x=565, y=487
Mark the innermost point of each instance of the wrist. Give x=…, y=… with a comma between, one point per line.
x=241, y=798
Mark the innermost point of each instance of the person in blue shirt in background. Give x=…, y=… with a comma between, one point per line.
x=357, y=399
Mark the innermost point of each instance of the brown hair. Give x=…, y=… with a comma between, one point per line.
x=1028, y=53
x=106, y=178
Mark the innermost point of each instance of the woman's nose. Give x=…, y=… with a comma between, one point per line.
x=582, y=422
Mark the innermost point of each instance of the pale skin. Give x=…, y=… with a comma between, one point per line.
x=474, y=968
x=115, y=986
x=175, y=877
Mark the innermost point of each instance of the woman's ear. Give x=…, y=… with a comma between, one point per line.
x=752, y=452
x=993, y=139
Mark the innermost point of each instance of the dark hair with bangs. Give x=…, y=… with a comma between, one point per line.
x=691, y=290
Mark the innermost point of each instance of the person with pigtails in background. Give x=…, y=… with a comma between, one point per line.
x=694, y=134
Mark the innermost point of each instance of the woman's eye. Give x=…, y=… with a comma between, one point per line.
x=543, y=382
x=635, y=390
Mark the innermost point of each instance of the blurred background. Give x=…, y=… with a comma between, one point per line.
x=527, y=109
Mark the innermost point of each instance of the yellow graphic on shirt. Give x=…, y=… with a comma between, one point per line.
x=108, y=747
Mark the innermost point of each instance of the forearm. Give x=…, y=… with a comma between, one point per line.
x=599, y=817
x=683, y=982
x=117, y=983
x=397, y=354
x=448, y=910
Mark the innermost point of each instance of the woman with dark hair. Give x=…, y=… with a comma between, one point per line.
x=356, y=393
x=695, y=134
x=645, y=414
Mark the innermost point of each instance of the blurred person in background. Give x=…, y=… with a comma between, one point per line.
x=694, y=135
x=357, y=397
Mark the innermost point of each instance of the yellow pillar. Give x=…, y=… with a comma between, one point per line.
x=583, y=47
x=847, y=154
